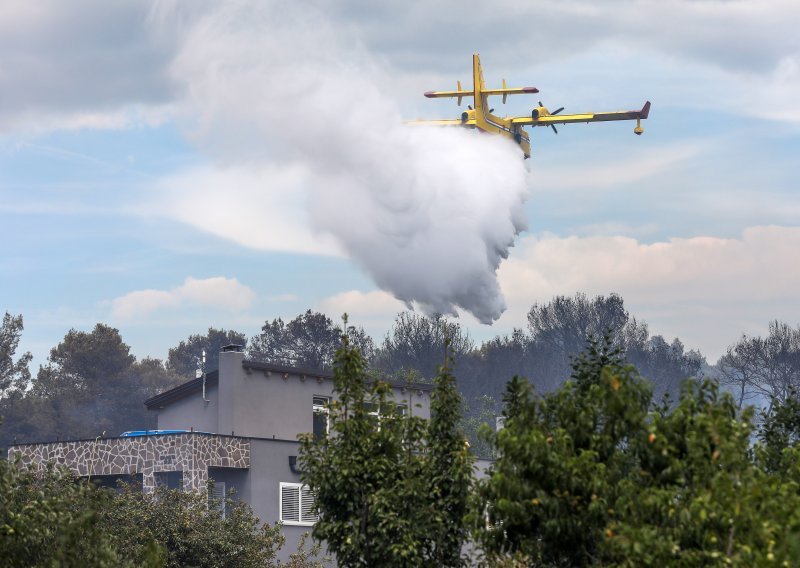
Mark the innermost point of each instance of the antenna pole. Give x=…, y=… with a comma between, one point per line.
x=203, y=368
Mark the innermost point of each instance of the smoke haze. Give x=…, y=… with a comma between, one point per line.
x=428, y=213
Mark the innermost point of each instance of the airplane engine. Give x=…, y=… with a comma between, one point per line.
x=467, y=115
x=539, y=111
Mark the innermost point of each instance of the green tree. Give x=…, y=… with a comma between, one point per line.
x=309, y=341
x=49, y=520
x=87, y=387
x=479, y=418
x=188, y=529
x=418, y=342
x=186, y=357
x=560, y=455
x=389, y=491
x=90, y=384
x=14, y=375
x=560, y=329
x=764, y=367
x=594, y=474
x=449, y=471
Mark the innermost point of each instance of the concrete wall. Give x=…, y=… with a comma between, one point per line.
x=192, y=412
x=251, y=402
x=269, y=466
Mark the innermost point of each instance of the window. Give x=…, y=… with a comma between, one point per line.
x=373, y=409
x=297, y=505
x=169, y=479
x=321, y=416
x=217, y=495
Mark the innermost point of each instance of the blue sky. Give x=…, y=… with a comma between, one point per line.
x=156, y=174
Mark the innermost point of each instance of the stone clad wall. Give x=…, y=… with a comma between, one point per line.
x=191, y=452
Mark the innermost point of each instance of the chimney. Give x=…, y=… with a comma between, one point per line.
x=233, y=390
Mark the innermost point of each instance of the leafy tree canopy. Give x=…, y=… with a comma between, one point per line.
x=52, y=519
x=391, y=489
x=763, y=368
x=419, y=342
x=185, y=358
x=308, y=341
x=13, y=374
x=594, y=474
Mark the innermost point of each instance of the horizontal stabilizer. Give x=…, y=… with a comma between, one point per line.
x=446, y=94
x=512, y=91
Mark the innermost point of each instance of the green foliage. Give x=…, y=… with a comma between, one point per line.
x=390, y=490
x=308, y=341
x=91, y=384
x=765, y=367
x=449, y=472
x=559, y=457
x=478, y=424
x=593, y=474
x=418, y=342
x=49, y=520
x=52, y=519
x=186, y=357
x=306, y=557
x=696, y=498
x=187, y=530
x=779, y=451
x=14, y=375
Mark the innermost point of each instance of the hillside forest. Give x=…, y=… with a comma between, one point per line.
x=92, y=385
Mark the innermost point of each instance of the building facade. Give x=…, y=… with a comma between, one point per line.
x=237, y=426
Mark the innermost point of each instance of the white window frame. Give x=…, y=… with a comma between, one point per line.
x=323, y=409
x=402, y=408
x=303, y=492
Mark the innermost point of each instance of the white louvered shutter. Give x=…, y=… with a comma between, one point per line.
x=307, y=512
x=290, y=502
x=218, y=494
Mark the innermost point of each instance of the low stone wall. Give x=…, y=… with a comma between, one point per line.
x=191, y=452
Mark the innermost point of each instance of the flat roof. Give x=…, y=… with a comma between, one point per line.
x=212, y=379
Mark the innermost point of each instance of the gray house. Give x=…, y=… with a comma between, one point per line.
x=237, y=425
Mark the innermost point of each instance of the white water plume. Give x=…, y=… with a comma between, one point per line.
x=428, y=213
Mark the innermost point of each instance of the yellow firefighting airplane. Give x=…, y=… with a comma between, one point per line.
x=481, y=116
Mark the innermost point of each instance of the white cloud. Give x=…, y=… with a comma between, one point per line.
x=217, y=292
x=706, y=290
x=376, y=304
x=398, y=199
x=261, y=207
x=62, y=69
x=284, y=298
x=82, y=64
x=374, y=311
x=638, y=165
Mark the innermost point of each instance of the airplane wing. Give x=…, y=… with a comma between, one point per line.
x=587, y=117
x=444, y=122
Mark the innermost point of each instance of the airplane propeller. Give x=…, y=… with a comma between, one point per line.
x=558, y=110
